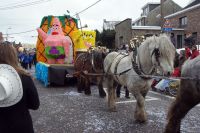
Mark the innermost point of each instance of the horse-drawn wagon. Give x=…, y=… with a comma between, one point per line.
x=77, y=41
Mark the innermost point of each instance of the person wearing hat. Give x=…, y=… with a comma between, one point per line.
x=18, y=94
x=190, y=47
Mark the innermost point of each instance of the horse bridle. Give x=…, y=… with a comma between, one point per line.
x=156, y=51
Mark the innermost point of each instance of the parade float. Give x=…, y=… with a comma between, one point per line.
x=58, y=44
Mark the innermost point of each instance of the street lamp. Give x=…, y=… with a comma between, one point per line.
x=7, y=33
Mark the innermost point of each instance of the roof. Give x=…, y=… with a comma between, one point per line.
x=183, y=11
x=109, y=24
x=152, y=28
x=123, y=21
x=143, y=16
x=146, y=27
x=151, y=3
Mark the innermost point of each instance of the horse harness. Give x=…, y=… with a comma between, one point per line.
x=137, y=67
x=134, y=66
x=156, y=51
x=117, y=63
x=92, y=61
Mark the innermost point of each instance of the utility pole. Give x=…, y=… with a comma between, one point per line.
x=161, y=14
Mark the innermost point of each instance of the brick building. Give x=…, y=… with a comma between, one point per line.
x=123, y=33
x=151, y=13
x=148, y=23
x=188, y=19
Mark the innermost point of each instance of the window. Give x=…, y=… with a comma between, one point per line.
x=179, y=41
x=146, y=10
x=183, y=21
x=194, y=34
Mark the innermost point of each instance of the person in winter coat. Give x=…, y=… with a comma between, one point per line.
x=25, y=60
x=190, y=47
x=30, y=62
x=15, y=116
x=194, y=52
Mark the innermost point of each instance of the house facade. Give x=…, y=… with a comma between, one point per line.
x=123, y=33
x=149, y=23
x=187, y=19
x=151, y=13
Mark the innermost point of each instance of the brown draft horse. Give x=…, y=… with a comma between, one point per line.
x=91, y=62
x=188, y=95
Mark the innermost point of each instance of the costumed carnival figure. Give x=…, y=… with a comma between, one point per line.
x=56, y=44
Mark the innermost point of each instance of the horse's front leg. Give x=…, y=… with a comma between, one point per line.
x=140, y=113
x=87, y=86
x=100, y=87
x=80, y=84
x=111, y=93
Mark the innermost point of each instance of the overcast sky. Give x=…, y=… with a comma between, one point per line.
x=27, y=18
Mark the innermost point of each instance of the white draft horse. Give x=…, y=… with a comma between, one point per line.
x=154, y=53
x=187, y=97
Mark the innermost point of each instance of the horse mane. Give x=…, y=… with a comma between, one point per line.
x=166, y=47
x=162, y=42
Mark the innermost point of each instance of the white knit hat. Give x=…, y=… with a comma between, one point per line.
x=10, y=86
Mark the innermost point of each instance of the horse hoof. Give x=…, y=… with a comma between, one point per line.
x=87, y=92
x=102, y=96
x=141, y=118
x=141, y=121
x=113, y=109
x=79, y=91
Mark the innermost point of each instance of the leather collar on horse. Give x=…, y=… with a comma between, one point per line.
x=138, y=68
x=94, y=56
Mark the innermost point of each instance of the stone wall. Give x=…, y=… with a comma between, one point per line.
x=123, y=33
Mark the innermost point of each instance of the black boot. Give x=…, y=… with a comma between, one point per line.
x=118, y=90
x=126, y=92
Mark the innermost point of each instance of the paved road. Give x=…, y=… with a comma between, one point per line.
x=63, y=110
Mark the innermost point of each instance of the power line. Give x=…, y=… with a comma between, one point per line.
x=12, y=4
x=87, y=8
x=24, y=5
x=73, y=15
x=20, y=32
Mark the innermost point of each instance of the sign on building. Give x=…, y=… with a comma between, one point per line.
x=167, y=26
